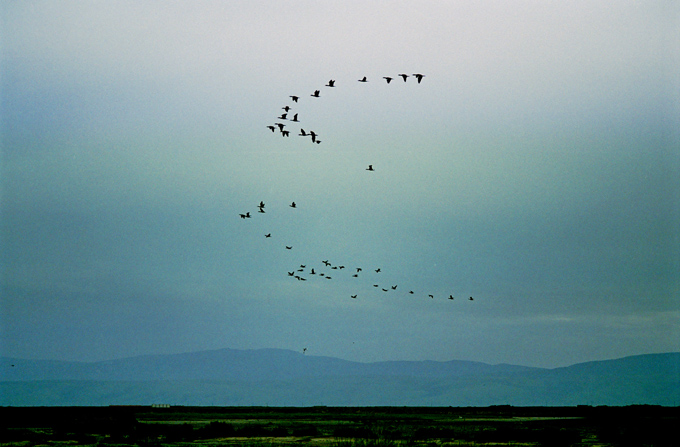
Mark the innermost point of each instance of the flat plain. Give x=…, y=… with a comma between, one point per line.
x=151, y=426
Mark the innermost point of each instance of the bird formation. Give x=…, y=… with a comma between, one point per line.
x=317, y=94
x=324, y=270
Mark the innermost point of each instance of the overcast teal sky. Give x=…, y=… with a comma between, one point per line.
x=535, y=168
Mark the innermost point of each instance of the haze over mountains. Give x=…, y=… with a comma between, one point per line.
x=287, y=378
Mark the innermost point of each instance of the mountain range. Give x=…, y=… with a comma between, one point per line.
x=277, y=377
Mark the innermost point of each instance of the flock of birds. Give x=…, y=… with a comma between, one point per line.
x=288, y=110
x=325, y=270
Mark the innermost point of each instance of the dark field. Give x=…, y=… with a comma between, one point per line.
x=338, y=426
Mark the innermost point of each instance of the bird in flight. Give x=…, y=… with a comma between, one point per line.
x=450, y=297
x=316, y=93
x=370, y=168
x=272, y=128
x=431, y=296
x=281, y=126
x=287, y=108
x=292, y=205
x=313, y=134
x=295, y=98
x=403, y=75
x=387, y=78
x=419, y=77
x=285, y=133
x=353, y=296
x=303, y=133
x=471, y=299
x=283, y=116
x=331, y=83
x=410, y=292
x=268, y=235
x=288, y=247
x=363, y=79
x=295, y=118
x=394, y=287
x=377, y=270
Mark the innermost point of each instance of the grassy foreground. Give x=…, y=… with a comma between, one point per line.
x=123, y=426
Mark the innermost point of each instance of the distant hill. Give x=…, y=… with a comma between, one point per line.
x=279, y=377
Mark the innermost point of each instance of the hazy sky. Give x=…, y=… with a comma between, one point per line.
x=535, y=168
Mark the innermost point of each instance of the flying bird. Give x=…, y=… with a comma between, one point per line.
x=394, y=287
x=370, y=168
x=288, y=247
x=281, y=126
x=387, y=78
x=303, y=133
x=326, y=263
x=295, y=118
x=292, y=205
x=363, y=79
x=331, y=83
x=377, y=270
x=287, y=108
x=471, y=299
x=358, y=269
x=419, y=77
x=283, y=116
x=450, y=297
x=403, y=75
x=316, y=93
x=268, y=235
x=295, y=98
x=431, y=296
x=272, y=128
x=410, y=292
x=285, y=133
x=291, y=273
x=353, y=296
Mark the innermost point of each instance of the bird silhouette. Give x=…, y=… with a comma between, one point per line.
x=377, y=270
x=450, y=297
x=355, y=276
x=471, y=299
x=410, y=292
x=268, y=235
x=331, y=83
x=403, y=75
x=288, y=247
x=313, y=134
x=292, y=205
x=375, y=285
x=384, y=290
x=291, y=273
x=353, y=296
x=326, y=263
x=358, y=269
x=281, y=126
x=431, y=296
x=295, y=118
x=363, y=79
x=295, y=98
x=387, y=78
x=283, y=116
x=370, y=168
x=287, y=108
x=272, y=128
x=303, y=133
x=419, y=77
x=316, y=93
x=312, y=272
x=394, y=287
x=285, y=133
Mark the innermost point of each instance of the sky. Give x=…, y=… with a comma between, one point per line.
x=534, y=168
